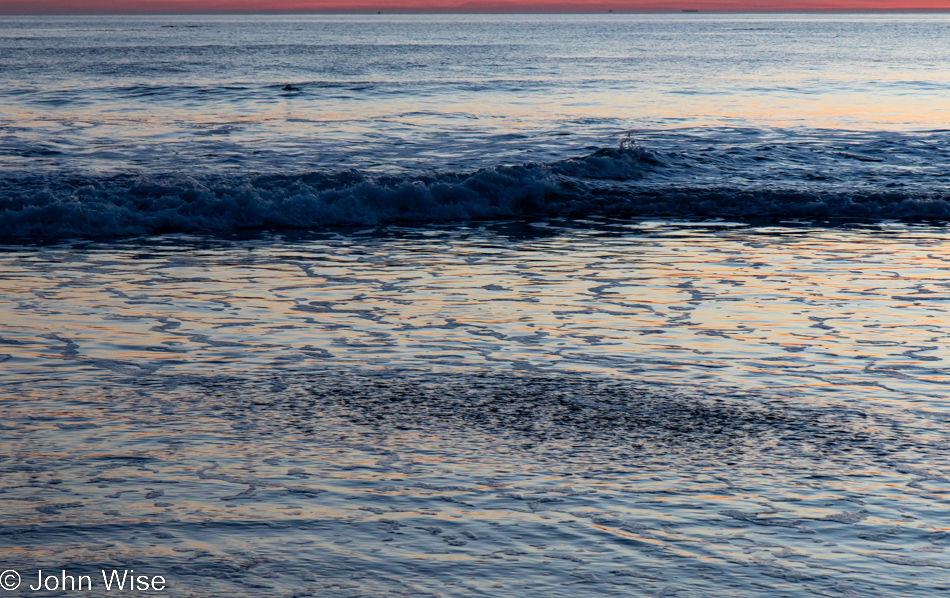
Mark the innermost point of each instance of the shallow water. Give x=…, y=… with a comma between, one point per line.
x=740, y=393
x=535, y=409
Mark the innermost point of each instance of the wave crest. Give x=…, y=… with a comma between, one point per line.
x=627, y=181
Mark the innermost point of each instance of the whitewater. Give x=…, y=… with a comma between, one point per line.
x=477, y=305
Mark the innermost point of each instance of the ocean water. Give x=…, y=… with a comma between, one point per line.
x=538, y=305
x=137, y=125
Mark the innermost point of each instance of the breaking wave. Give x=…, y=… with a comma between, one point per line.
x=628, y=181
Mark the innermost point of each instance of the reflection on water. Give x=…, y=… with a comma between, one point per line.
x=540, y=410
x=794, y=308
x=448, y=92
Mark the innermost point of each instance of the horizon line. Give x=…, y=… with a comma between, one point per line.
x=513, y=11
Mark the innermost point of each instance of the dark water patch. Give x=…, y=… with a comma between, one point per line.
x=625, y=182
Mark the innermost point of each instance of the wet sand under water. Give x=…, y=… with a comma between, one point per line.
x=641, y=408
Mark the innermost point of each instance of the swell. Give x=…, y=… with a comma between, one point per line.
x=628, y=181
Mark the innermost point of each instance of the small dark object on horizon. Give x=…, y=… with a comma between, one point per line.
x=290, y=87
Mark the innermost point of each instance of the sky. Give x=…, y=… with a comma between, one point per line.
x=502, y=6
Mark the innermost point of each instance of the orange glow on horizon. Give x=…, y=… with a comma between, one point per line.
x=459, y=6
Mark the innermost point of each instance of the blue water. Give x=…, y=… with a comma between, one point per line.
x=501, y=306
x=130, y=125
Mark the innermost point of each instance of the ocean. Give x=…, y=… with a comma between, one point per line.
x=476, y=305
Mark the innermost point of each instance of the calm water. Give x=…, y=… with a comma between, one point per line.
x=505, y=410
x=624, y=305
